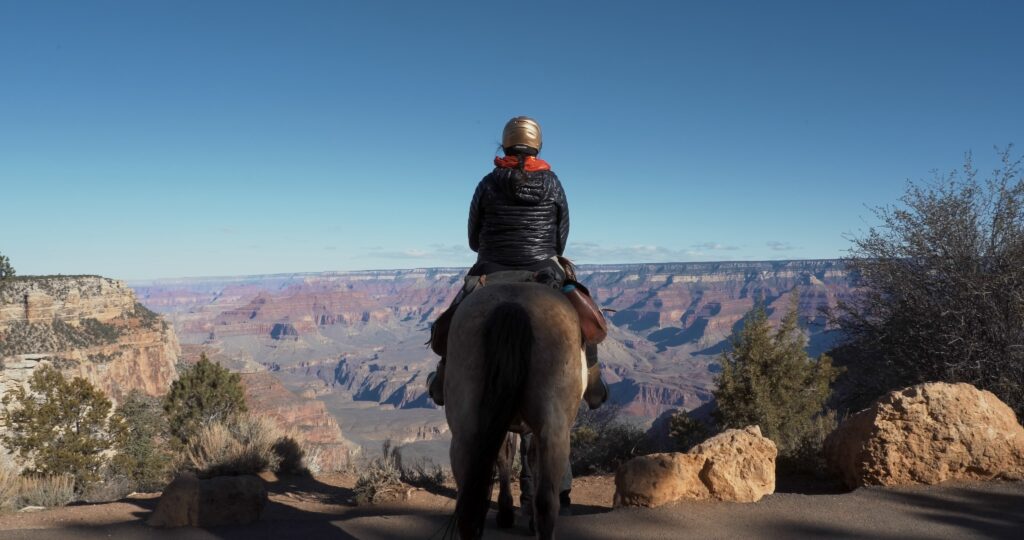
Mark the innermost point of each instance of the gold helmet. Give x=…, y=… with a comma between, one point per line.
x=521, y=133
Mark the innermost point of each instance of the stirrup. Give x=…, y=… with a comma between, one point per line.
x=596, y=394
x=438, y=396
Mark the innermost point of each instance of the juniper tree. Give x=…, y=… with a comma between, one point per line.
x=685, y=431
x=58, y=426
x=768, y=380
x=141, y=436
x=6, y=270
x=204, y=393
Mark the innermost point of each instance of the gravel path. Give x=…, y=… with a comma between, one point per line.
x=314, y=510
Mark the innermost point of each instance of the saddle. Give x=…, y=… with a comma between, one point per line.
x=592, y=323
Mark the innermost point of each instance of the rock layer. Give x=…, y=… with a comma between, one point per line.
x=927, y=434
x=305, y=419
x=671, y=324
x=87, y=326
x=736, y=465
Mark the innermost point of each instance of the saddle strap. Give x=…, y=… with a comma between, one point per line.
x=592, y=321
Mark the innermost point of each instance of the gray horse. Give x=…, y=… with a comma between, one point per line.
x=514, y=357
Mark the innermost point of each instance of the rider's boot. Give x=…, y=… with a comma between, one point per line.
x=435, y=384
x=439, y=339
x=597, y=390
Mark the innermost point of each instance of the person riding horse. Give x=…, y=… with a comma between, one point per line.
x=519, y=220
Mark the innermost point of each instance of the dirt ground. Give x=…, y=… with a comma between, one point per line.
x=322, y=508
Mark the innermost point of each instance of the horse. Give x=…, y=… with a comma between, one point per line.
x=514, y=358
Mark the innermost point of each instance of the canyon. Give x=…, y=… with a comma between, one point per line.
x=356, y=340
x=94, y=327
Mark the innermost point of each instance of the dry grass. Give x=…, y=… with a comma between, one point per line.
x=17, y=491
x=248, y=445
x=426, y=474
x=387, y=478
x=381, y=480
x=10, y=482
x=46, y=491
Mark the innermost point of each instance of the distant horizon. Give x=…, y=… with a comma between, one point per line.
x=413, y=269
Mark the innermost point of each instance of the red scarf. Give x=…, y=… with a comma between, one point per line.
x=531, y=164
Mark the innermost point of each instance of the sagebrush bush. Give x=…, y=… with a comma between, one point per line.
x=424, y=473
x=113, y=487
x=246, y=445
x=10, y=479
x=600, y=441
x=381, y=480
x=49, y=491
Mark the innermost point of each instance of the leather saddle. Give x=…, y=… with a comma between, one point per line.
x=592, y=321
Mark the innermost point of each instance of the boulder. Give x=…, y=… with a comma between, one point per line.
x=739, y=465
x=221, y=500
x=657, y=479
x=736, y=465
x=927, y=434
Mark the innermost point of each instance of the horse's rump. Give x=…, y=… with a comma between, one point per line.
x=514, y=350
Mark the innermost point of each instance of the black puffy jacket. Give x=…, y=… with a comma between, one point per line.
x=518, y=223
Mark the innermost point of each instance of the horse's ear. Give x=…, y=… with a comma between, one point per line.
x=568, y=266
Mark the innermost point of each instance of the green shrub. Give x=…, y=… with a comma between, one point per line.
x=600, y=441
x=142, y=441
x=686, y=432
x=768, y=380
x=6, y=270
x=59, y=427
x=204, y=394
x=940, y=293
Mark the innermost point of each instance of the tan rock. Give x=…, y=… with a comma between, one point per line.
x=658, y=479
x=179, y=503
x=35, y=312
x=736, y=465
x=927, y=434
x=739, y=466
x=222, y=500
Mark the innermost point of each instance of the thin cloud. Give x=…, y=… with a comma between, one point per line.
x=775, y=245
x=433, y=251
x=714, y=246
x=590, y=252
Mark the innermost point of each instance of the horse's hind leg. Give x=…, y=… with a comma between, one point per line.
x=506, y=507
x=552, y=457
x=461, y=451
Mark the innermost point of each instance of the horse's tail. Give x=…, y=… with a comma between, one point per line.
x=508, y=341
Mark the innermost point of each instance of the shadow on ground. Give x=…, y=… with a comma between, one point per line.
x=993, y=510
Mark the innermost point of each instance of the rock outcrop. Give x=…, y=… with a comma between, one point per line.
x=927, y=434
x=222, y=500
x=736, y=465
x=87, y=326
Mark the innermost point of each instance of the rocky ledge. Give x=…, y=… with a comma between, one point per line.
x=87, y=326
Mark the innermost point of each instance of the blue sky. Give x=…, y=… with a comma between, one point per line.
x=160, y=139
